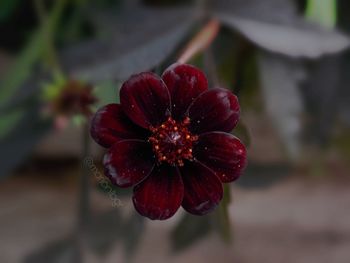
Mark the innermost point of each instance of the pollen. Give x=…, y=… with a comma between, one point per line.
x=172, y=142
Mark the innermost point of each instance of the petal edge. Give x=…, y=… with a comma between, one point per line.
x=214, y=110
x=159, y=196
x=110, y=125
x=185, y=82
x=203, y=189
x=223, y=153
x=145, y=99
x=128, y=162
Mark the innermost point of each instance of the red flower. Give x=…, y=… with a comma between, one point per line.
x=169, y=138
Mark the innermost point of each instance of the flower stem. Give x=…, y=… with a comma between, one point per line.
x=48, y=33
x=84, y=200
x=200, y=41
x=84, y=208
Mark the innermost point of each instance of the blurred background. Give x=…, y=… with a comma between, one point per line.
x=287, y=61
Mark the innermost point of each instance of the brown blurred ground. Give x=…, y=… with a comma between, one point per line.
x=296, y=220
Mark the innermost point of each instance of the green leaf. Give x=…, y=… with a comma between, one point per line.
x=259, y=175
x=19, y=143
x=282, y=98
x=60, y=251
x=242, y=132
x=7, y=7
x=133, y=230
x=129, y=46
x=104, y=230
x=189, y=230
x=107, y=187
x=279, y=29
x=221, y=216
x=22, y=67
x=9, y=120
x=322, y=12
x=107, y=92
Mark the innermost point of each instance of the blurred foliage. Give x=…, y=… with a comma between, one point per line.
x=261, y=175
x=241, y=131
x=132, y=233
x=61, y=251
x=23, y=66
x=322, y=12
x=7, y=7
x=8, y=121
x=189, y=230
x=104, y=230
x=19, y=143
x=266, y=51
x=221, y=217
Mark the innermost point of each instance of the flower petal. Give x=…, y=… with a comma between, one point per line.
x=145, y=99
x=128, y=162
x=215, y=109
x=223, y=153
x=110, y=125
x=203, y=189
x=185, y=83
x=161, y=194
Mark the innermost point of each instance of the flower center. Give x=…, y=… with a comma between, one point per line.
x=172, y=141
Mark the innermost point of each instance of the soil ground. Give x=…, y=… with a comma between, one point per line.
x=297, y=220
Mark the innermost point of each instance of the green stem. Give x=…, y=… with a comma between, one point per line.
x=48, y=35
x=84, y=211
x=84, y=200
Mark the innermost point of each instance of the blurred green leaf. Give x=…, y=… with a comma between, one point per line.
x=9, y=120
x=189, y=230
x=17, y=144
x=107, y=186
x=242, y=132
x=342, y=142
x=133, y=230
x=277, y=27
x=258, y=175
x=322, y=12
x=128, y=46
x=104, y=230
x=221, y=216
x=22, y=67
x=7, y=7
x=280, y=78
x=61, y=251
x=107, y=92
x=322, y=97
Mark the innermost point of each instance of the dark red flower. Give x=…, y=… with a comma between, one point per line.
x=169, y=139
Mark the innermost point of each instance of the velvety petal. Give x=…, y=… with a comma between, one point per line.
x=223, y=153
x=185, y=83
x=160, y=195
x=203, y=189
x=214, y=110
x=145, y=99
x=128, y=162
x=110, y=125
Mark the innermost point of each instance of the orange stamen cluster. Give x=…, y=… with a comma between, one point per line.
x=172, y=142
